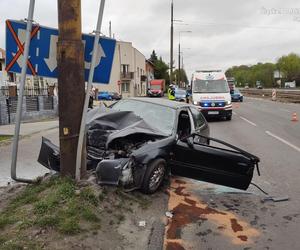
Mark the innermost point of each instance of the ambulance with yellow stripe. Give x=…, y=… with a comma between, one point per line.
x=211, y=93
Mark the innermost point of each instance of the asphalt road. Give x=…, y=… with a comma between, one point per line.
x=27, y=165
x=208, y=216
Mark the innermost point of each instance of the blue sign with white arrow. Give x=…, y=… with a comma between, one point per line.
x=42, y=53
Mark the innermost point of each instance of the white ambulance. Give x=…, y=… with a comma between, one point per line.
x=210, y=92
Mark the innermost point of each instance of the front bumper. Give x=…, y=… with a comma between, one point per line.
x=236, y=98
x=154, y=94
x=216, y=112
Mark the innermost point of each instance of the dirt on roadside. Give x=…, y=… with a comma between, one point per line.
x=57, y=213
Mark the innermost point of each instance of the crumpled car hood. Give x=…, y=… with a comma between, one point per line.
x=105, y=125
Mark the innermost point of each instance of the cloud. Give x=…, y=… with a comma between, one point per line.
x=224, y=33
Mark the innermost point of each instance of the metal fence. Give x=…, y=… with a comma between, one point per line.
x=34, y=107
x=28, y=91
x=283, y=95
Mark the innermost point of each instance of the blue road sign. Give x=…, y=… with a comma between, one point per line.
x=42, y=53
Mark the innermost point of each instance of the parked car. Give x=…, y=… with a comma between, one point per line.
x=237, y=96
x=115, y=96
x=104, y=95
x=180, y=95
x=156, y=88
x=137, y=142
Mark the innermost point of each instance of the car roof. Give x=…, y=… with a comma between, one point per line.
x=162, y=102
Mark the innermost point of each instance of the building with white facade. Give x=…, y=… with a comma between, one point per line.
x=128, y=75
x=3, y=75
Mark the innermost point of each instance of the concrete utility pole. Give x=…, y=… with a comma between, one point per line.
x=171, y=47
x=71, y=85
x=179, y=60
x=179, y=76
x=109, y=29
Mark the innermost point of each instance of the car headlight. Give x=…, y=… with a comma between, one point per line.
x=228, y=102
x=195, y=103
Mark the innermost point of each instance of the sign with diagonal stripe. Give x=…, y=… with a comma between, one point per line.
x=42, y=52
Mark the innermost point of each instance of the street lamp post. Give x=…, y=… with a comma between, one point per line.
x=179, y=60
x=171, y=46
x=182, y=64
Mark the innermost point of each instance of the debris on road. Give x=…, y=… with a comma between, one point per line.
x=142, y=223
x=169, y=214
x=275, y=199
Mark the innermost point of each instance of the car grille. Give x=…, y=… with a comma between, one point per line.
x=211, y=104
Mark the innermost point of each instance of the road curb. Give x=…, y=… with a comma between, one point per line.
x=9, y=141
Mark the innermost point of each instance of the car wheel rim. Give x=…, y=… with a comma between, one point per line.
x=157, y=177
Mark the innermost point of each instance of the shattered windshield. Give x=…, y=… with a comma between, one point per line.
x=157, y=116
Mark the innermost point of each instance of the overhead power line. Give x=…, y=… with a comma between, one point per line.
x=244, y=26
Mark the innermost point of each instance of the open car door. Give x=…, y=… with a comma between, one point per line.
x=231, y=167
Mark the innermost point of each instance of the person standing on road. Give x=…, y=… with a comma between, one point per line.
x=171, y=92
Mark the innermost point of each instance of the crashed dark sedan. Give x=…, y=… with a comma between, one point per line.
x=137, y=142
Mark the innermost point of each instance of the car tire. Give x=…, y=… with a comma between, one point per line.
x=228, y=118
x=154, y=176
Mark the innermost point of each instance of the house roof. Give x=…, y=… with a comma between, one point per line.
x=150, y=62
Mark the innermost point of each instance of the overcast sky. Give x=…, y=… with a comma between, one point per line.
x=224, y=33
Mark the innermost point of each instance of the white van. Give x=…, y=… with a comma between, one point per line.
x=210, y=92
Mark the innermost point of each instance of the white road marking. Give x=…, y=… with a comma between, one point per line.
x=284, y=141
x=246, y=120
x=234, y=113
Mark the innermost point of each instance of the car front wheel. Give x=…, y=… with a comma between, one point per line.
x=154, y=176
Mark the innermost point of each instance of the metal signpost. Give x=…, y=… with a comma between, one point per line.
x=89, y=85
x=24, y=48
x=42, y=52
x=32, y=49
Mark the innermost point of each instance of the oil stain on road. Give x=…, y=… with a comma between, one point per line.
x=188, y=209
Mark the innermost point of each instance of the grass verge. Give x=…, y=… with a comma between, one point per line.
x=5, y=137
x=56, y=204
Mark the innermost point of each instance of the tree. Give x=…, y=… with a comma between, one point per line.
x=290, y=66
x=183, y=76
x=248, y=75
x=160, y=67
x=153, y=57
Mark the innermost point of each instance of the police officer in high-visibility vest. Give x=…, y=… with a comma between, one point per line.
x=171, y=92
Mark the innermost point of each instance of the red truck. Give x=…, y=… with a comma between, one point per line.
x=156, y=88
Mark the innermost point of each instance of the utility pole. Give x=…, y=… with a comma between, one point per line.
x=71, y=84
x=171, y=47
x=109, y=29
x=179, y=61
x=179, y=64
